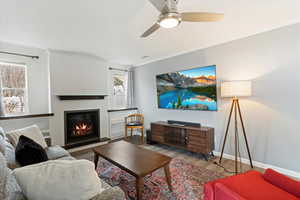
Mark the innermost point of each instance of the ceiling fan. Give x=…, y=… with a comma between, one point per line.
x=170, y=17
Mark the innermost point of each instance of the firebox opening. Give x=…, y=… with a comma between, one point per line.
x=81, y=127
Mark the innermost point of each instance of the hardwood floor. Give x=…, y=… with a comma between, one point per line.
x=193, y=158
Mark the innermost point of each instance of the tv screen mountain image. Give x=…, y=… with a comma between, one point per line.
x=193, y=89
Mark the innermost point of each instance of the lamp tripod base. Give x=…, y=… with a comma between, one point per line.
x=235, y=106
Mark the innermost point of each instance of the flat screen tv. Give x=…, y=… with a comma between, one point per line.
x=192, y=89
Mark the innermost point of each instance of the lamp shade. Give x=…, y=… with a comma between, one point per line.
x=236, y=89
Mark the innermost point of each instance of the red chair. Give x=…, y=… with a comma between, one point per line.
x=253, y=185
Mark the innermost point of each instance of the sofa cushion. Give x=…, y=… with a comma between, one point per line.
x=29, y=152
x=7, y=150
x=66, y=158
x=4, y=173
x=10, y=156
x=2, y=141
x=55, y=152
x=59, y=179
x=283, y=182
x=9, y=188
x=14, y=190
x=224, y=193
x=2, y=133
x=33, y=132
x=252, y=186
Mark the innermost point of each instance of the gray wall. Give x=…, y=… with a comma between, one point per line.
x=272, y=61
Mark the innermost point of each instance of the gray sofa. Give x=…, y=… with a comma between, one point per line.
x=9, y=188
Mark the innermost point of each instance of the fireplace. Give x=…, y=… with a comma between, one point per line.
x=82, y=127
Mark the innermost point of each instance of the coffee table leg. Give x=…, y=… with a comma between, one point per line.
x=139, y=187
x=96, y=159
x=168, y=176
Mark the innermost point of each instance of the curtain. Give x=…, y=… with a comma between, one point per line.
x=130, y=91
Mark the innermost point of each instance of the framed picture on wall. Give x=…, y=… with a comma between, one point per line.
x=192, y=89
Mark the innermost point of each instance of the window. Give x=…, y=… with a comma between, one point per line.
x=13, y=88
x=119, y=88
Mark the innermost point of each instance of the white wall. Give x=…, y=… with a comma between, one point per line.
x=76, y=74
x=272, y=115
x=38, y=89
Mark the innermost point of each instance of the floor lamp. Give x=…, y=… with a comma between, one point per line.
x=234, y=90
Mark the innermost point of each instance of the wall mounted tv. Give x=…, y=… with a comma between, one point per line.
x=192, y=89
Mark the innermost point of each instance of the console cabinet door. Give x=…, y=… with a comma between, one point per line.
x=157, y=133
x=198, y=141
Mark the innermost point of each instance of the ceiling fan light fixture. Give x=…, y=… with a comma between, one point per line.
x=170, y=20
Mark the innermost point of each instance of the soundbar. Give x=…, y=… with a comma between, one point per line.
x=181, y=123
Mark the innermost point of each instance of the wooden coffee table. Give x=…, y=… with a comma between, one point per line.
x=135, y=160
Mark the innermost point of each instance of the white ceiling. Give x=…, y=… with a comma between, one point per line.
x=111, y=28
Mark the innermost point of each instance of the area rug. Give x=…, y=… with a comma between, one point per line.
x=187, y=181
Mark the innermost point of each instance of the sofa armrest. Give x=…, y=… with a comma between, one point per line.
x=224, y=193
x=114, y=193
x=283, y=182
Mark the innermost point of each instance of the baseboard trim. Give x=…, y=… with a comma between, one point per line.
x=263, y=165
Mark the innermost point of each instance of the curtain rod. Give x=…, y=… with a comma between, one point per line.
x=117, y=69
x=19, y=54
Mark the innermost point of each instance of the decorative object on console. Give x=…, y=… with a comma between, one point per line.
x=235, y=89
x=194, y=139
x=193, y=89
x=29, y=152
x=181, y=123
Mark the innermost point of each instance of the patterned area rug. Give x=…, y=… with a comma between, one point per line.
x=187, y=181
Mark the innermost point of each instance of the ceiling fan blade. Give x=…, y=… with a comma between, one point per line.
x=160, y=5
x=151, y=30
x=201, y=17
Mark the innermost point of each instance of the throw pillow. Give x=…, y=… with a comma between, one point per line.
x=59, y=180
x=33, y=132
x=9, y=188
x=29, y=152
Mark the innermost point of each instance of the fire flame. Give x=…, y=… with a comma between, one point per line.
x=82, y=129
